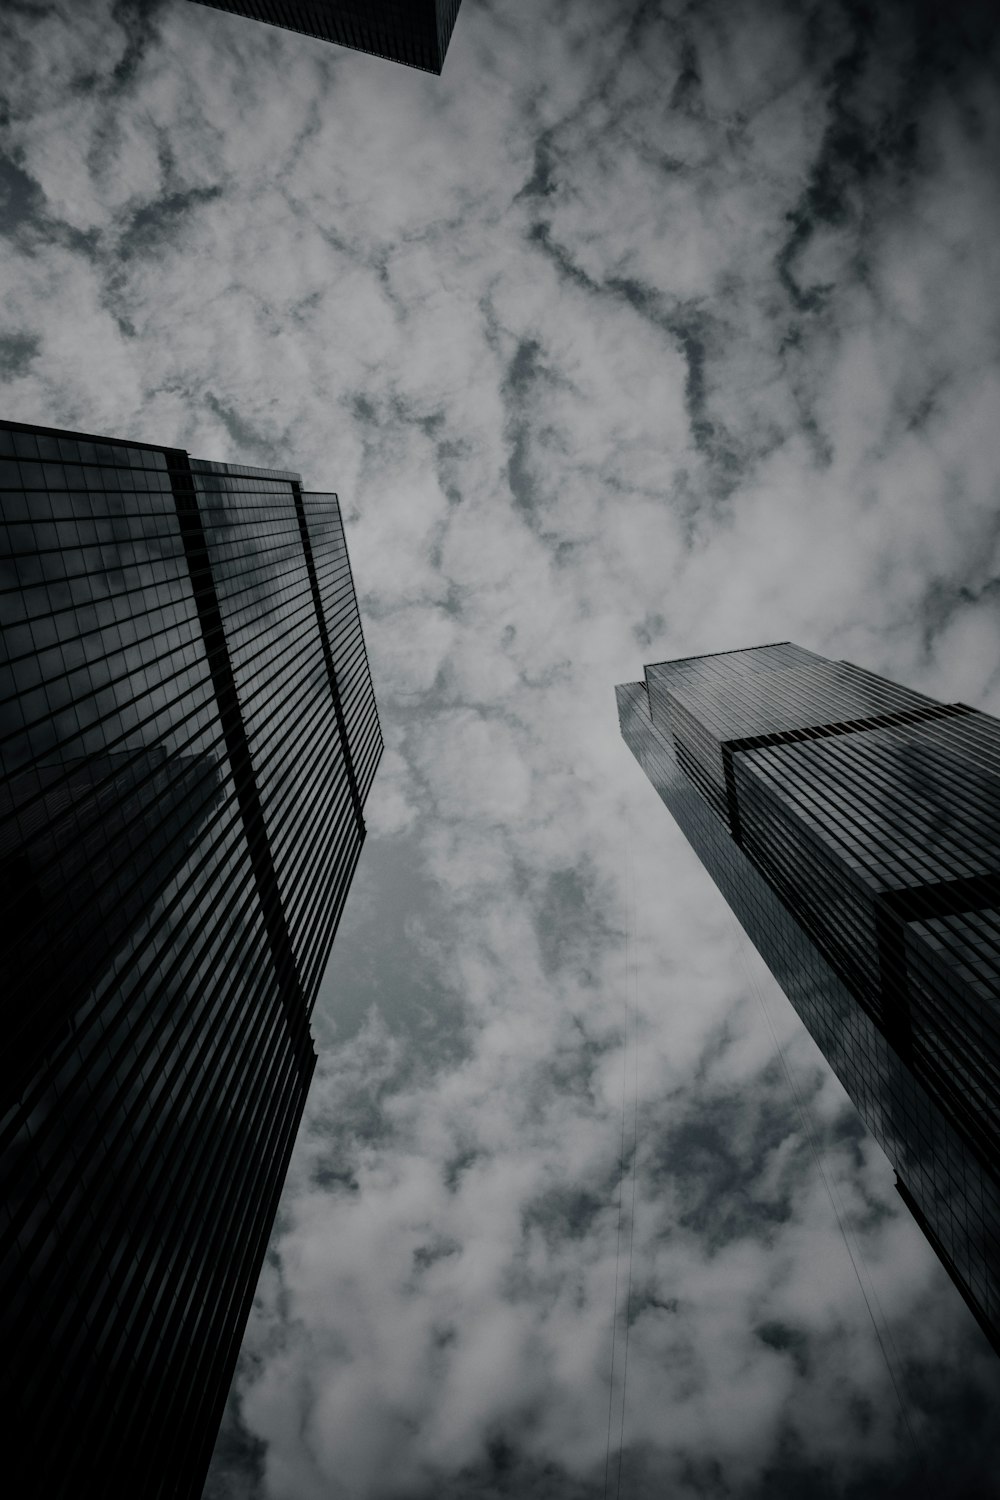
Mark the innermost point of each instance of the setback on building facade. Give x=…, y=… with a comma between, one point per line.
x=854, y=828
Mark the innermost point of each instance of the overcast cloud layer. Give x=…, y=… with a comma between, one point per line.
x=647, y=330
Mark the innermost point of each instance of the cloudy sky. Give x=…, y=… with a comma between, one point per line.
x=650, y=328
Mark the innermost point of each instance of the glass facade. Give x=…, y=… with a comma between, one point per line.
x=188, y=736
x=854, y=828
x=414, y=32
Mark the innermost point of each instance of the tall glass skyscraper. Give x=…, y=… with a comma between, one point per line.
x=188, y=735
x=854, y=828
x=414, y=32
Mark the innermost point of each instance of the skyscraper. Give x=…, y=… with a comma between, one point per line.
x=414, y=32
x=188, y=737
x=854, y=828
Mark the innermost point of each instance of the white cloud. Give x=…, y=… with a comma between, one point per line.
x=550, y=477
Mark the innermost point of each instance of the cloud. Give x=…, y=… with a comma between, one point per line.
x=17, y=350
x=645, y=330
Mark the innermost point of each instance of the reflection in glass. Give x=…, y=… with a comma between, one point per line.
x=181, y=812
x=854, y=828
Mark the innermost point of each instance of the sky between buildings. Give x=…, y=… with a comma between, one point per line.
x=647, y=330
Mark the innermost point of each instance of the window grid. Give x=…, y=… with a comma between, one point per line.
x=854, y=828
x=179, y=824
